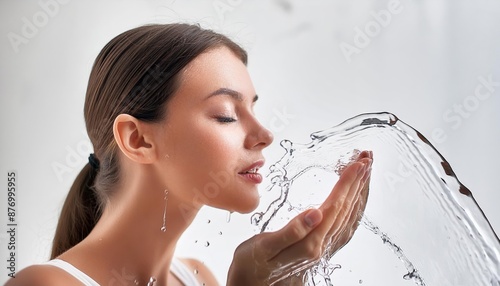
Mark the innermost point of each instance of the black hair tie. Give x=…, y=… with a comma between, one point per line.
x=93, y=161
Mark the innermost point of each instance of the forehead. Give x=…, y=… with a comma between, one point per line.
x=215, y=69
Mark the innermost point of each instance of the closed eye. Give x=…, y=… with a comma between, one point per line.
x=224, y=119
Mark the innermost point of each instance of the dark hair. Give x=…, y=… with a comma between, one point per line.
x=136, y=73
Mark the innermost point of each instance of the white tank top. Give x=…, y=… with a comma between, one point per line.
x=177, y=268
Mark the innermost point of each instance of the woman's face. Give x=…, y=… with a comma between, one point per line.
x=211, y=142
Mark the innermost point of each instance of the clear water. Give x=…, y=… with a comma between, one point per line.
x=421, y=225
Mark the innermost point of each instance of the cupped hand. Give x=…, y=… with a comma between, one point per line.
x=270, y=257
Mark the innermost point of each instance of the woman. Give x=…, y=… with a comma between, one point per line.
x=169, y=111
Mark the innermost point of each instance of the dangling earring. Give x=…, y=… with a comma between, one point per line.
x=164, y=226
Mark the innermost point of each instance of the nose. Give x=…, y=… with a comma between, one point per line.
x=259, y=137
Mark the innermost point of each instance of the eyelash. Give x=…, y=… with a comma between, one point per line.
x=224, y=119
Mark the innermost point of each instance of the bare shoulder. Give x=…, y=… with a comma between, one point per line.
x=204, y=275
x=42, y=275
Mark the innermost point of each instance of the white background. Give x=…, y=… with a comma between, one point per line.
x=418, y=65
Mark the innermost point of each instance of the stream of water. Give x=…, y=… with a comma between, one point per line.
x=421, y=226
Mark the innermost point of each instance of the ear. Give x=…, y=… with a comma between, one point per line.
x=134, y=139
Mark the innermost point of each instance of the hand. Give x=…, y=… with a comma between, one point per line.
x=269, y=257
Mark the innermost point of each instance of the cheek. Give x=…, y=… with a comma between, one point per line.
x=202, y=149
x=204, y=166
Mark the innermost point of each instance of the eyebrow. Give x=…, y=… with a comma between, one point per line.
x=230, y=92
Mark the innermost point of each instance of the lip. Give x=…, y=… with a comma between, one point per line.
x=255, y=178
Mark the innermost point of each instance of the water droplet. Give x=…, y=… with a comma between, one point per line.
x=360, y=281
x=207, y=244
x=196, y=241
x=163, y=229
x=209, y=221
x=220, y=232
x=151, y=281
x=228, y=218
x=195, y=271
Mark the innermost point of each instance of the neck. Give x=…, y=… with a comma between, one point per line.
x=128, y=239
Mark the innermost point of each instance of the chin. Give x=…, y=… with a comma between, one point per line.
x=244, y=201
x=245, y=205
x=248, y=206
x=247, y=210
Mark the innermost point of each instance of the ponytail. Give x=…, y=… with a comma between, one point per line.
x=80, y=213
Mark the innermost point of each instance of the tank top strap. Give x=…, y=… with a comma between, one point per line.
x=183, y=273
x=73, y=271
x=178, y=268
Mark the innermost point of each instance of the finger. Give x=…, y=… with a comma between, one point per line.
x=359, y=194
x=364, y=154
x=355, y=158
x=363, y=197
x=342, y=195
x=338, y=236
x=297, y=229
x=365, y=183
x=340, y=231
x=342, y=235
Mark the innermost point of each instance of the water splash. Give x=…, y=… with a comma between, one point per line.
x=430, y=222
x=412, y=271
